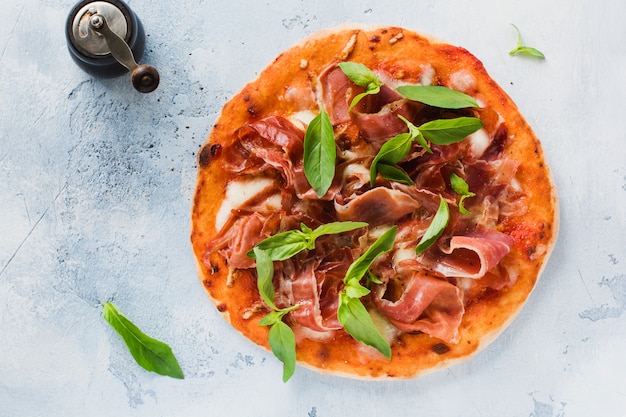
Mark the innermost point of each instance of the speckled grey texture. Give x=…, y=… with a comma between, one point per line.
x=96, y=182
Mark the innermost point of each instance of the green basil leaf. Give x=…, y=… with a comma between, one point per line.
x=383, y=244
x=416, y=135
x=522, y=49
x=362, y=76
x=359, y=73
x=420, y=139
x=392, y=173
x=320, y=153
x=287, y=244
x=437, y=96
x=436, y=227
x=448, y=131
x=271, y=318
x=354, y=289
x=527, y=50
x=151, y=354
x=336, y=228
x=265, y=276
x=372, y=279
x=392, y=152
x=460, y=187
x=283, y=344
x=283, y=245
x=358, y=323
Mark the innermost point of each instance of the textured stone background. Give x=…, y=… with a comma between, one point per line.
x=96, y=183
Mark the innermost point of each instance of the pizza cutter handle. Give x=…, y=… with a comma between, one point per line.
x=145, y=78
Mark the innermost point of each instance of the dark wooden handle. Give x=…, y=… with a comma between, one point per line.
x=145, y=78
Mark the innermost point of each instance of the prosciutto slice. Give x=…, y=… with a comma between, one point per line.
x=240, y=235
x=314, y=285
x=377, y=206
x=377, y=116
x=470, y=256
x=426, y=304
x=272, y=142
x=336, y=89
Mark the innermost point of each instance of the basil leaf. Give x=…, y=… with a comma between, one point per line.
x=448, y=131
x=283, y=344
x=416, y=135
x=354, y=289
x=420, y=139
x=392, y=173
x=271, y=318
x=527, y=50
x=460, y=187
x=521, y=49
x=392, y=152
x=383, y=244
x=265, y=275
x=283, y=245
x=372, y=279
x=359, y=73
x=320, y=153
x=362, y=76
x=336, y=228
x=436, y=227
x=437, y=96
x=151, y=354
x=358, y=323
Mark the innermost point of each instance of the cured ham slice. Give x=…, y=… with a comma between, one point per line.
x=469, y=256
x=426, y=303
x=377, y=206
x=336, y=89
x=314, y=285
x=272, y=142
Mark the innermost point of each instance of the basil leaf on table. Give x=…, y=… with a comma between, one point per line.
x=448, y=131
x=460, y=187
x=522, y=49
x=437, y=96
x=151, y=354
x=320, y=153
x=362, y=76
x=436, y=227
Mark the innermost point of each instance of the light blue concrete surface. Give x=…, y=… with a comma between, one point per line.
x=96, y=183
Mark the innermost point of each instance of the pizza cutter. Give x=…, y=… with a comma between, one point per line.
x=106, y=39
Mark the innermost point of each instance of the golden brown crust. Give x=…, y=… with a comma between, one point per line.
x=402, y=54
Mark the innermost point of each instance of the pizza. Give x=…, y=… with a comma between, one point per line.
x=372, y=205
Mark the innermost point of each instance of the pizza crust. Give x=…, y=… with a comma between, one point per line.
x=284, y=87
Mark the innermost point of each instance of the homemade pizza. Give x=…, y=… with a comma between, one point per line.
x=373, y=205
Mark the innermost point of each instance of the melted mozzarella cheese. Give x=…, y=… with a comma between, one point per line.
x=402, y=254
x=238, y=192
x=463, y=81
x=302, y=118
x=358, y=170
x=479, y=142
x=428, y=74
